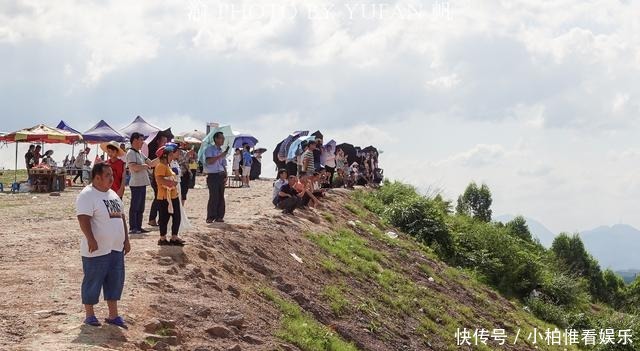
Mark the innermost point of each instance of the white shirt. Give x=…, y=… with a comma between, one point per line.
x=276, y=187
x=105, y=210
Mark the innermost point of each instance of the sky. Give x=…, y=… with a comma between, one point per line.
x=538, y=99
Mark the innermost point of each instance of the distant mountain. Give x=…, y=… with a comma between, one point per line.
x=536, y=228
x=629, y=275
x=616, y=247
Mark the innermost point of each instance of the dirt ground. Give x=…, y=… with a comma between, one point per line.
x=40, y=307
x=208, y=295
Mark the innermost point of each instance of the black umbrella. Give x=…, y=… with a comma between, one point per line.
x=370, y=149
x=275, y=152
x=349, y=151
x=153, y=145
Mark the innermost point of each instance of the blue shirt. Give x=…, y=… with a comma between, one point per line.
x=246, y=159
x=218, y=166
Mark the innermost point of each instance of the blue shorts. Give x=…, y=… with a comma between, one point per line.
x=105, y=273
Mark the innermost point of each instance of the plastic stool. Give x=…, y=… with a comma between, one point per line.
x=1, y=187
x=15, y=187
x=67, y=182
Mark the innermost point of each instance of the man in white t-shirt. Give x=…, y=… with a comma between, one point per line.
x=100, y=213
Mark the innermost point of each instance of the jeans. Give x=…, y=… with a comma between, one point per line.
x=136, y=208
x=78, y=175
x=216, y=205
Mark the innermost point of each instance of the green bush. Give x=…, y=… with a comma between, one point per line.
x=548, y=312
x=562, y=289
x=423, y=219
x=506, y=262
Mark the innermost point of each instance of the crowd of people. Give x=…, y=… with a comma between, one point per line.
x=100, y=209
x=303, y=179
x=169, y=169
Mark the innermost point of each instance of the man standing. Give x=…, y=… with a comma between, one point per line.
x=79, y=164
x=216, y=168
x=105, y=242
x=139, y=166
x=28, y=157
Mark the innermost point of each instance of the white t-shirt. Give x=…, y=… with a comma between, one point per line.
x=139, y=178
x=276, y=187
x=105, y=209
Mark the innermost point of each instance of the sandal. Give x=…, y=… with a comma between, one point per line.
x=163, y=242
x=118, y=321
x=177, y=242
x=92, y=321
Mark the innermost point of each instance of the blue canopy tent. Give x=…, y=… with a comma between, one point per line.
x=141, y=126
x=102, y=132
x=64, y=126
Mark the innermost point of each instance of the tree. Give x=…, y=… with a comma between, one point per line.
x=615, y=288
x=476, y=202
x=571, y=252
x=518, y=227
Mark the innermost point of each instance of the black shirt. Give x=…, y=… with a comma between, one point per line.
x=27, y=159
x=287, y=189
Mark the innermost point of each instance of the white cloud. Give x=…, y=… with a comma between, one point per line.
x=444, y=82
x=522, y=94
x=480, y=155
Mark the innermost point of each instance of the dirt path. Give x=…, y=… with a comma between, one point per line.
x=40, y=308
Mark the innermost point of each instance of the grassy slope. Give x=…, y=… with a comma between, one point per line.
x=400, y=292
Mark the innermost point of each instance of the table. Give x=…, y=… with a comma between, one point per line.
x=47, y=180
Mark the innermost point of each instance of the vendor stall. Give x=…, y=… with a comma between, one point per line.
x=46, y=180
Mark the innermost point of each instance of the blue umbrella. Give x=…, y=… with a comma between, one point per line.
x=242, y=139
x=286, y=143
x=295, y=148
x=208, y=141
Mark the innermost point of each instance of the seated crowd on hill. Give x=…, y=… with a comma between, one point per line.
x=315, y=170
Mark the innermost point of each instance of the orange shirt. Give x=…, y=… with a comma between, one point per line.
x=162, y=171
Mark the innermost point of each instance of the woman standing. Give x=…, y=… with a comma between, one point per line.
x=329, y=161
x=237, y=156
x=115, y=154
x=341, y=160
x=168, y=198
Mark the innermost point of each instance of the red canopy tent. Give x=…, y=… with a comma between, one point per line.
x=39, y=134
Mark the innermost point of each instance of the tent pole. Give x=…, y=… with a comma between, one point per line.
x=15, y=170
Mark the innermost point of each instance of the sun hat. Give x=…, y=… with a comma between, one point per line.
x=103, y=146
